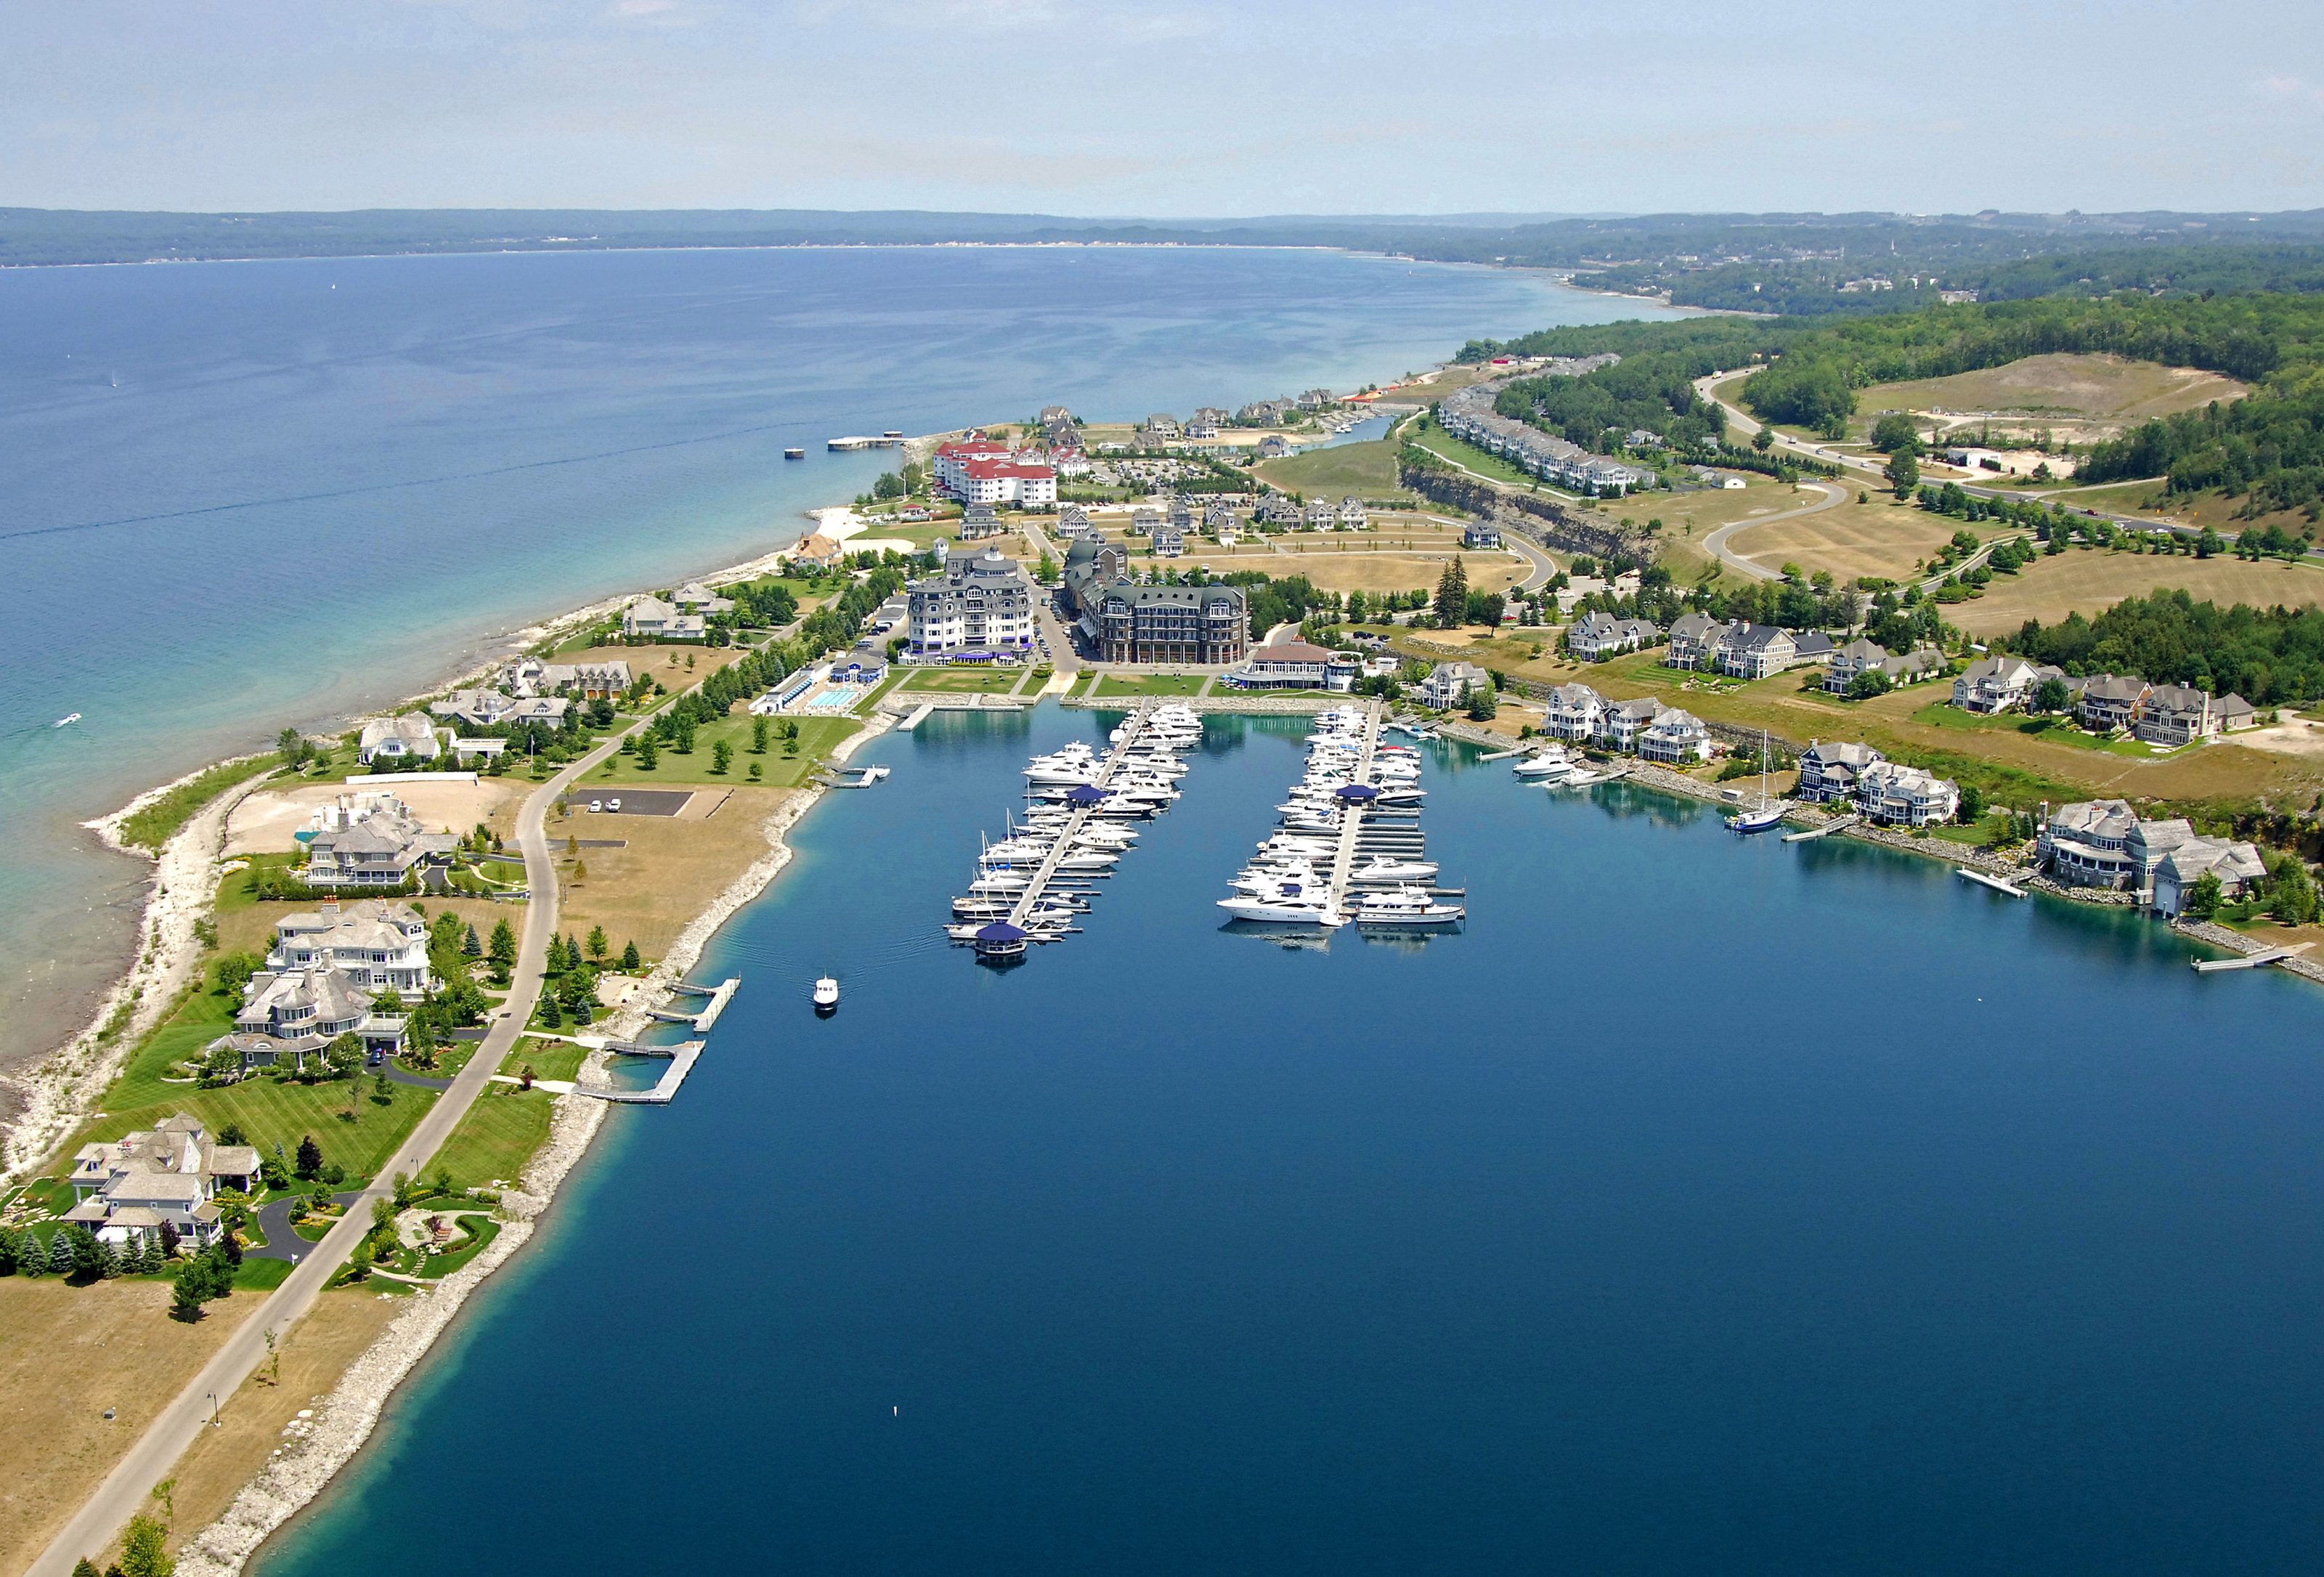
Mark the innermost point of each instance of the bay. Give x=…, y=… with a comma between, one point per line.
x=1710, y=1204
x=235, y=496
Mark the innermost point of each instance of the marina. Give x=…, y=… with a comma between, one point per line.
x=1031, y=885
x=713, y=1000
x=1356, y=813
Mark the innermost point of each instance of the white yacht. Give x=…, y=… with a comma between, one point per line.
x=1405, y=906
x=1295, y=910
x=1553, y=763
x=1382, y=868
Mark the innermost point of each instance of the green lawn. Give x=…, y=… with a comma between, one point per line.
x=964, y=681
x=817, y=736
x=548, y=1059
x=1366, y=469
x=1444, y=446
x=153, y=825
x=1150, y=684
x=497, y=1135
x=271, y=1111
x=2055, y=730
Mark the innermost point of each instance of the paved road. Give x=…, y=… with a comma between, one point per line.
x=1062, y=654
x=127, y=1489
x=1716, y=543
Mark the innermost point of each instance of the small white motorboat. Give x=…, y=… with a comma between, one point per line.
x=826, y=995
x=67, y=717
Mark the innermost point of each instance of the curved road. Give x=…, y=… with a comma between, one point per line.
x=128, y=1488
x=1716, y=545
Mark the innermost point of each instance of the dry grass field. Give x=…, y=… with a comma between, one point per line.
x=315, y=1352
x=66, y=1353
x=1340, y=564
x=2089, y=582
x=2095, y=386
x=1366, y=469
x=2147, y=499
x=671, y=870
x=1882, y=539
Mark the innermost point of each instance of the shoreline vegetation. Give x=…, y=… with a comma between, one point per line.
x=182, y=827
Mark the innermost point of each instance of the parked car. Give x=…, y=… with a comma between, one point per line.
x=613, y=804
x=596, y=805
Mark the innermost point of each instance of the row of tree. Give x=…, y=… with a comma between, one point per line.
x=2273, y=656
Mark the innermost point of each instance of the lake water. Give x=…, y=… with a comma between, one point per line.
x=1709, y=1205
x=235, y=496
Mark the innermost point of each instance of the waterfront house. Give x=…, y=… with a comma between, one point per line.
x=1284, y=665
x=1674, y=739
x=1479, y=534
x=1891, y=794
x=1861, y=657
x=1621, y=724
x=1573, y=712
x=1694, y=642
x=2177, y=715
x=1160, y=429
x=1448, y=684
x=697, y=598
x=2112, y=701
x=1596, y=636
x=980, y=608
x=406, y=738
x=125, y=1190
x=495, y=709
x=590, y=681
x=295, y=1013
x=2237, y=865
x=380, y=945
x=2086, y=843
x=652, y=619
x=379, y=846
x=1999, y=684
x=1273, y=447
x=1754, y=651
x=1830, y=770
x=1198, y=426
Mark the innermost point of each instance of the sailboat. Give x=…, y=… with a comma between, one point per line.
x=1767, y=813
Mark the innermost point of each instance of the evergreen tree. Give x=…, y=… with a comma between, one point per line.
x=32, y=1258
x=1453, y=594
x=470, y=947
x=630, y=960
x=7, y=1250
x=85, y=1567
x=571, y=951
x=60, y=1253
x=502, y=951
x=310, y=1155
x=555, y=964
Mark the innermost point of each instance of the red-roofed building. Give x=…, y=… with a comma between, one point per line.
x=1009, y=479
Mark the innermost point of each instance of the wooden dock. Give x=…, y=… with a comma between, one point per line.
x=1035, y=890
x=1836, y=825
x=2266, y=956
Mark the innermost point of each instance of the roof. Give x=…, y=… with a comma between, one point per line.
x=1291, y=651
x=2123, y=687
x=1833, y=752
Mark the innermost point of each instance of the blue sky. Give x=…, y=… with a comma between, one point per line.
x=1171, y=107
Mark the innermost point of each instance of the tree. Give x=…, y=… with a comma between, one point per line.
x=186, y=1293
x=1453, y=594
x=502, y=951
x=343, y=1056
x=648, y=755
x=597, y=942
x=2203, y=898
x=1904, y=472
x=32, y=1258
x=630, y=960
x=86, y=1255
x=470, y=947
x=60, y=1253
x=722, y=756
x=1894, y=434
x=1972, y=804
x=310, y=1155
x=555, y=962
x=85, y=1567
x=1871, y=682
x=758, y=736
x=144, y=1549
x=1482, y=704
x=1764, y=440
x=2294, y=902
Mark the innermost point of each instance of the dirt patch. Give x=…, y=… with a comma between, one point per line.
x=2091, y=581
x=1323, y=561
x=264, y=822
x=66, y=1353
x=2096, y=386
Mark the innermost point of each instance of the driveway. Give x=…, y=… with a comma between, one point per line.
x=282, y=1240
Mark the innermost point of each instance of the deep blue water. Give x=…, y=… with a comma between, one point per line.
x=238, y=495
x=1708, y=1206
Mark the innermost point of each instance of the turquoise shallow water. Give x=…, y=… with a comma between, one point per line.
x=1709, y=1205
x=238, y=495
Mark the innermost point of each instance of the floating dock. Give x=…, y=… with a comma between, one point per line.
x=1352, y=813
x=682, y=1058
x=718, y=997
x=850, y=776
x=1837, y=823
x=1995, y=883
x=2252, y=960
x=919, y=715
x=1031, y=899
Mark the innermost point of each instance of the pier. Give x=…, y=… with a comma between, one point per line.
x=1354, y=808
x=682, y=1058
x=1836, y=825
x=1031, y=899
x=718, y=997
x=1995, y=883
x=2266, y=956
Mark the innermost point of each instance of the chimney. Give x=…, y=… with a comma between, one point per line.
x=330, y=907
